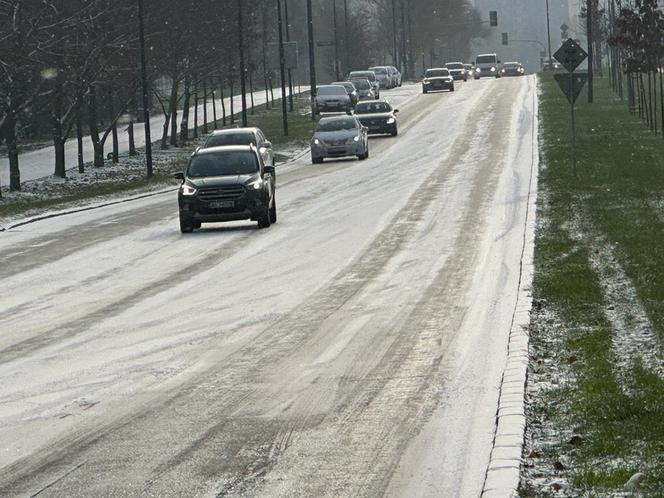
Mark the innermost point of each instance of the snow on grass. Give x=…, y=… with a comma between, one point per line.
x=633, y=339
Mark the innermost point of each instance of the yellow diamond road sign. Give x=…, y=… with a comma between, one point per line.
x=570, y=55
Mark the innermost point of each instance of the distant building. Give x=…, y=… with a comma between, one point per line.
x=524, y=21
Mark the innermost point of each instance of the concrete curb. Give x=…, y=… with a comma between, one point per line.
x=503, y=471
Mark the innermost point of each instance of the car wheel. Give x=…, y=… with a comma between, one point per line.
x=452, y=89
x=197, y=225
x=395, y=132
x=264, y=219
x=316, y=160
x=424, y=92
x=273, y=211
x=186, y=225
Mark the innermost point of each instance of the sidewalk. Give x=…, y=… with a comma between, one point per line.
x=40, y=163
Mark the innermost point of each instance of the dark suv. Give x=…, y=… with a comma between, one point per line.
x=227, y=184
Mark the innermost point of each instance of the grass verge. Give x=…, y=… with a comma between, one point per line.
x=595, y=396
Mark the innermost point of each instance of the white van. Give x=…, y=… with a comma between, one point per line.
x=487, y=65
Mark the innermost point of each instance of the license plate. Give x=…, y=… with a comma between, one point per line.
x=222, y=204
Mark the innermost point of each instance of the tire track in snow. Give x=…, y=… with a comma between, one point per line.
x=251, y=365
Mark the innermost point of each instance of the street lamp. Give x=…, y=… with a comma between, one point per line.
x=282, y=70
x=394, y=33
x=146, y=90
x=243, y=82
x=548, y=32
x=336, y=40
x=312, y=58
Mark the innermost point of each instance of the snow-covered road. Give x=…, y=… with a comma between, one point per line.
x=41, y=162
x=355, y=348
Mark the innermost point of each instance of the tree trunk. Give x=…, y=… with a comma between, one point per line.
x=214, y=109
x=654, y=100
x=251, y=90
x=58, y=145
x=173, y=105
x=195, y=108
x=232, y=102
x=205, y=114
x=93, y=125
x=12, y=152
x=132, y=142
x=116, y=146
x=223, y=104
x=164, y=130
x=79, y=141
x=184, y=125
x=114, y=129
x=271, y=89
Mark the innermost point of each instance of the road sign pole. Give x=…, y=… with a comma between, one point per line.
x=571, y=90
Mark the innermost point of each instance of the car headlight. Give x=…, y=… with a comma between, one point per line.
x=493, y=69
x=426, y=82
x=356, y=138
x=257, y=185
x=391, y=121
x=187, y=190
x=478, y=70
x=316, y=141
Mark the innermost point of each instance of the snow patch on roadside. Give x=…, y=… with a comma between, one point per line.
x=129, y=169
x=542, y=469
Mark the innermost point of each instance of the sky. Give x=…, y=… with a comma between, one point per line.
x=525, y=23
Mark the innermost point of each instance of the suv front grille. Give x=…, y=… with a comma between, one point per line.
x=226, y=192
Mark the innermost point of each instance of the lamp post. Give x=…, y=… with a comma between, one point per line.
x=589, y=29
x=548, y=32
x=243, y=82
x=336, y=40
x=312, y=58
x=282, y=70
x=146, y=91
x=290, y=71
x=395, y=60
x=346, y=41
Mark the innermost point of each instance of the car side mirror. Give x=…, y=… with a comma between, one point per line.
x=498, y=62
x=178, y=176
x=269, y=170
x=267, y=144
x=395, y=111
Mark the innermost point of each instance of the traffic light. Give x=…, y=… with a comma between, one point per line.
x=505, y=39
x=493, y=18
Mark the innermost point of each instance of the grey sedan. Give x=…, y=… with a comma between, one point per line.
x=339, y=136
x=332, y=98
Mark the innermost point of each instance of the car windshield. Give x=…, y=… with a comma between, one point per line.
x=511, y=65
x=234, y=138
x=454, y=66
x=235, y=162
x=331, y=90
x=434, y=73
x=361, y=84
x=486, y=59
x=370, y=75
x=347, y=85
x=335, y=124
x=372, y=107
x=379, y=70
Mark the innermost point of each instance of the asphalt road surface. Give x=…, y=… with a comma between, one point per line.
x=355, y=348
